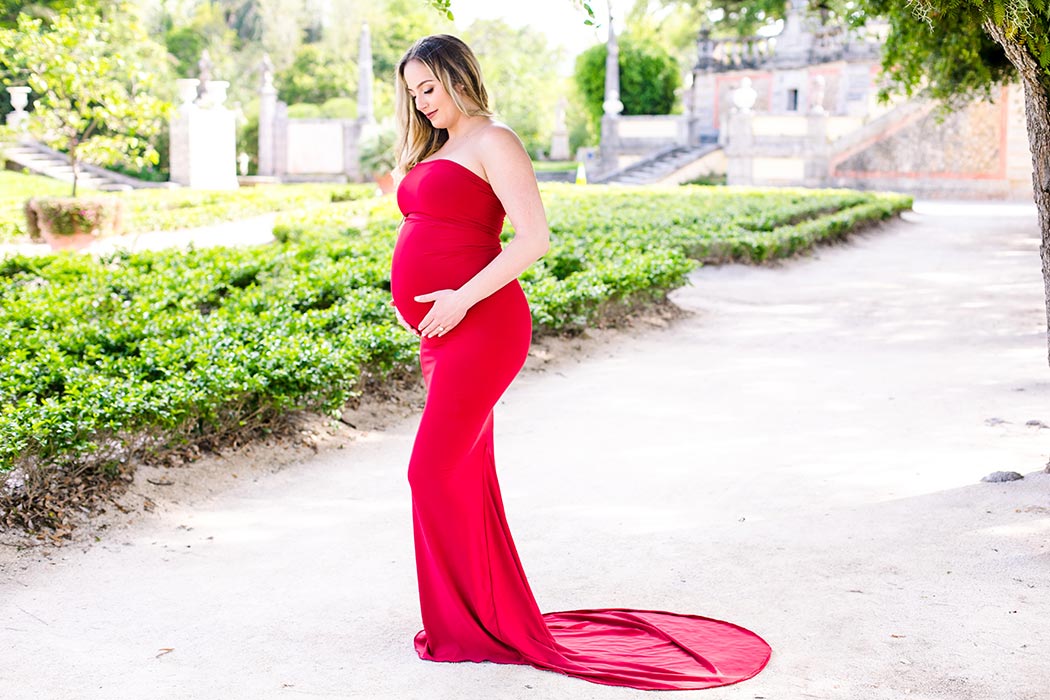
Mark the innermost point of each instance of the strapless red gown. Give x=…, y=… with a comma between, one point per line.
x=475, y=599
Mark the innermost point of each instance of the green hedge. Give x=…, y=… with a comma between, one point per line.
x=99, y=356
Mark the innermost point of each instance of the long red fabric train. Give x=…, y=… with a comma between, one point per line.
x=475, y=599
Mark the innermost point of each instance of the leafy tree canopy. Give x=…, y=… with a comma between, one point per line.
x=95, y=95
x=520, y=72
x=316, y=77
x=943, y=47
x=648, y=77
x=41, y=9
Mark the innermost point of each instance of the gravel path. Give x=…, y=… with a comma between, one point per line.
x=801, y=454
x=253, y=231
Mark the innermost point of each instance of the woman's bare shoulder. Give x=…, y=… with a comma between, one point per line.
x=499, y=136
x=499, y=146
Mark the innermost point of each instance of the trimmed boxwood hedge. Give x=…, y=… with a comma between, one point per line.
x=100, y=357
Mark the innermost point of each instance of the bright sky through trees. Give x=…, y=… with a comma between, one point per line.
x=559, y=20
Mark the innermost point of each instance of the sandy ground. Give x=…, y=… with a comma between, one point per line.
x=801, y=454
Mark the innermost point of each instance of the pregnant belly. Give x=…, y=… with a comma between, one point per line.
x=429, y=258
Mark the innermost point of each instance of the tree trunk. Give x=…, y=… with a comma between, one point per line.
x=1036, y=83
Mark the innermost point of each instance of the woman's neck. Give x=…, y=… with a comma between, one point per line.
x=464, y=126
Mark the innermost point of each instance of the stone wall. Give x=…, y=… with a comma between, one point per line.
x=981, y=150
x=978, y=151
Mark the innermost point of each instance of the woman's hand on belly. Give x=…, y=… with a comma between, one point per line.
x=402, y=321
x=448, y=310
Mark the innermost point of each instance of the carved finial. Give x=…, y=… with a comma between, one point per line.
x=266, y=73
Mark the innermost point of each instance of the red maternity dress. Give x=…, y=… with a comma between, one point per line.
x=475, y=599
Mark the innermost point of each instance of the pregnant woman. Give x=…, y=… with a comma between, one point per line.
x=456, y=287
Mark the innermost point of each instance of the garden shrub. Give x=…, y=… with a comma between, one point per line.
x=103, y=357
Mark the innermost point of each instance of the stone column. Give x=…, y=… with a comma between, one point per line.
x=352, y=132
x=816, y=151
x=280, y=140
x=267, y=117
x=795, y=41
x=612, y=106
x=740, y=136
x=560, y=137
x=704, y=118
x=204, y=138
x=365, y=108
x=703, y=125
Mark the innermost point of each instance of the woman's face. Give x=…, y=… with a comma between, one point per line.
x=431, y=98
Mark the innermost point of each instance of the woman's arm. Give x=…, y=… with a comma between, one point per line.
x=510, y=173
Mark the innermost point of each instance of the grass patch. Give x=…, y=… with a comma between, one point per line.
x=169, y=209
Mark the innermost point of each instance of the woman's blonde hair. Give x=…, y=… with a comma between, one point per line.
x=455, y=66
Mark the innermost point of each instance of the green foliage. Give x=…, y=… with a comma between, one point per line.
x=340, y=108
x=648, y=78
x=92, y=97
x=207, y=29
x=304, y=111
x=10, y=10
x=396, y=24
x=248, y=139
x=738, y=17
x=377, y=149
x=316, y=76
x=15, y=189
x=517, y=62
x=444, y=7
x=949, y=56
x=183, y=344
x=102, y=356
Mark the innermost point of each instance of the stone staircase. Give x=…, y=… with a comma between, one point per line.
x=657, y=166
x=38, y=159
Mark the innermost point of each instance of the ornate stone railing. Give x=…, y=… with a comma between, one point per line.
x=829, y=43
x=731, y=54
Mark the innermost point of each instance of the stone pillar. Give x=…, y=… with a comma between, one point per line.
x=740, y=136
x=267, y=118
x=795, y=42
x=204, y=138
x=816, y=151
x=612, y=106
x=560, y=137
x=352, y=131
x=365, y=108
x=704, y=118
x=703, y=122
x=280, y=140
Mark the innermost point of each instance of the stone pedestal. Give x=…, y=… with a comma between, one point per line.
x=267, y=119
x=738, y=149
x=817, y=151
x=703, y=120
x=19, y=118
x=560, y=145
x=203, y=145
